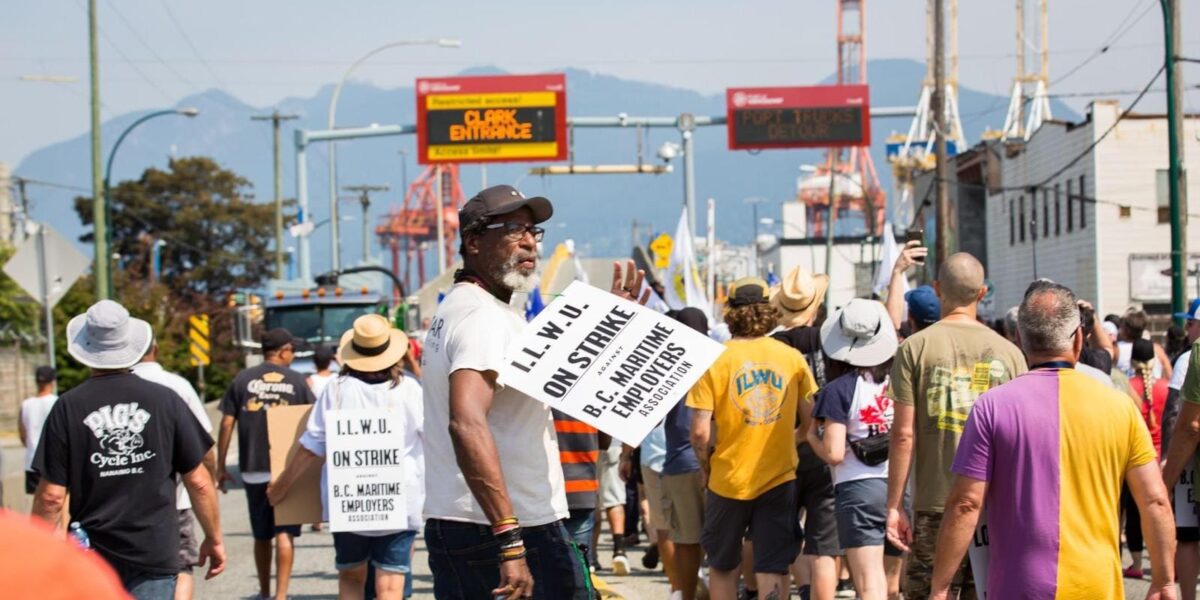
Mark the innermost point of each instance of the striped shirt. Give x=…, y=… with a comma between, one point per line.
x=578, y=449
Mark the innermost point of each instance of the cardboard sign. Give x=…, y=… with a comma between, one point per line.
x=364, y=458
x=302, y=505
x=608, y=362
x=979, y=551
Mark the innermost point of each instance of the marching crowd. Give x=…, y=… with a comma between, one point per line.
x=888, y=448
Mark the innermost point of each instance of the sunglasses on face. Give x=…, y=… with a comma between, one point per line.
x=516, y=231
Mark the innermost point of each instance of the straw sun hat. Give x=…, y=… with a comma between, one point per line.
x=799, y=296
x=372, y=345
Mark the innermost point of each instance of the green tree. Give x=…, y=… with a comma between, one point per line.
x=19, y=314
x=216, y=242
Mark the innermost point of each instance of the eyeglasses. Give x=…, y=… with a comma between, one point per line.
x=516, y=231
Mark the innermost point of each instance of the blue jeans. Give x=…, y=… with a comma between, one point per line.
x=464, y=558
x=143, y=585
x=391, y=553
x=579, y=526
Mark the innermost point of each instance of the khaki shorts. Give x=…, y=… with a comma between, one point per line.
x=657, y=499
x=684, y=509
x=612, y=488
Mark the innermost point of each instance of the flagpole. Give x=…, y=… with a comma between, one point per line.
x=712, y=255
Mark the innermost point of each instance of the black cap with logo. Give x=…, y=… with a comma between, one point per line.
x=501, y=200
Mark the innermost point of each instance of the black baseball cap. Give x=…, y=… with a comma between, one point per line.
x=44, y=375
x=277, y=338
x=747, y=291
x=501, y=200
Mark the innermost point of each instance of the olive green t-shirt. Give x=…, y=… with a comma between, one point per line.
x=1190, y=392
x=940, y=372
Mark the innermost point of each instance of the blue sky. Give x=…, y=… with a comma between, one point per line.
x=265, y=50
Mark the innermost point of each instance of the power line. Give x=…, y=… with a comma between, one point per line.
x=146, y=45
x=1109, y=41
x=188, y=40
x=1110, y=129
x=129, y=62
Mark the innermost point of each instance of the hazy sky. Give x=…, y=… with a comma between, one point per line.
x=155, y=52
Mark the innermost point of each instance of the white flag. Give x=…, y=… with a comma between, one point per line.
x=888, y=256
x=682, y=280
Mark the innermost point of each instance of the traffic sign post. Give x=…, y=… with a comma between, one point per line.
x=46, y=266
x=199, y=348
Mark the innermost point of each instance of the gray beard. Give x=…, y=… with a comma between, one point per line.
x=511, y=278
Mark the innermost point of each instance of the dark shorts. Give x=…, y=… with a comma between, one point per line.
x=1187, y=534
x=465, y=560
x=814, y=487
x=771, y=519
x=391, y=553
x=262, y=514
x=919, y=573
x=144, y=585
x=189, y=546
x=32, y=479
x=862, y=514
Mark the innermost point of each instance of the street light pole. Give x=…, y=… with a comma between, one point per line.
x=335, y=242
x=754, y=202
x=107, y=231
x=99, y=210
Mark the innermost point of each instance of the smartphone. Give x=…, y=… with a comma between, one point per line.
x=915, y=235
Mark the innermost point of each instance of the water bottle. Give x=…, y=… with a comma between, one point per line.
x=79, y=535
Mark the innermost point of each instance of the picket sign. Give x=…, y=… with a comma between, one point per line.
x=1185, y=499
x=607, y=361
x=365, y=479
x=978, y=552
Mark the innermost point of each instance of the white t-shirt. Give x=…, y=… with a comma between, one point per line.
x=152, y=371
x=34, y=410
x=863, y=406
x=1125, y=361
x=1179, y=373
x=472, y=330
x=351, y=393
x=317, y=382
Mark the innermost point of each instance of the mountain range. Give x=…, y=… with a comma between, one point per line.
x=597, y=211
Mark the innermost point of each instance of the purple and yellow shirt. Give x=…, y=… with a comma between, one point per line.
x=1054, y=447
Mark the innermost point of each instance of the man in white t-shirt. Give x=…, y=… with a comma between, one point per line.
x=189, y=547
x=33, y=414
x=496, y=488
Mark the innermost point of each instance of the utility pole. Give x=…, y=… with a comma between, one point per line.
x=938, y=108
x=275, y=118
x=99, y=209
x=834, y=158
x=1177, y=177
x=364, y=197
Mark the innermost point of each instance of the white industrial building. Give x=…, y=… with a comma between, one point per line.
x=1099, y=225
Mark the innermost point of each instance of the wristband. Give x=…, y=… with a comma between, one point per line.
x=505, y=521
x=520, y=556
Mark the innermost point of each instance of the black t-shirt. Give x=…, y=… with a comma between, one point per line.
x=253, y=391
x=808, y=341
x=116, y=442
x=1098, y=358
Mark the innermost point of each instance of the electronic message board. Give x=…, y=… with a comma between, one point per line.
x=492, y=119
x=798, y=117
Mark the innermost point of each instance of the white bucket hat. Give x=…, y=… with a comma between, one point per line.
x=860, y=334
x=106, y=337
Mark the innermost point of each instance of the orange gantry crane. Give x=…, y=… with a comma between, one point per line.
x=847, y=174
x=413, y=228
